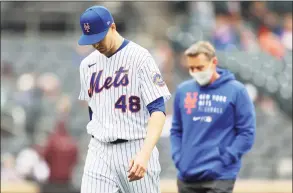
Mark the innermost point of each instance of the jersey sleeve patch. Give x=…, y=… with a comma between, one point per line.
x=158, y=79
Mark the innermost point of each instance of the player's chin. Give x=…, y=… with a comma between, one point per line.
x=102, y=51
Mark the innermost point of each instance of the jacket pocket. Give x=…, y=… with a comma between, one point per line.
x=216, y=170
x=219, y=166
x=207, y=156
x=201, y=160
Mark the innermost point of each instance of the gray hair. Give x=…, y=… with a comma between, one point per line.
x=201, y=47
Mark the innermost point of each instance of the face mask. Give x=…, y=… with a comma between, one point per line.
x=204, y=77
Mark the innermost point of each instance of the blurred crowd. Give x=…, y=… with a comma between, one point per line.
x=50, y=158
x=266, y=27
x=234, y=25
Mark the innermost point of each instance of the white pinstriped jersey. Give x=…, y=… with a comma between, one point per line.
x=124, y=85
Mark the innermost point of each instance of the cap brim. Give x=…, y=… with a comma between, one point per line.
x=92, y=39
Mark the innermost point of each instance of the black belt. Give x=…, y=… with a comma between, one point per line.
x=117, y=141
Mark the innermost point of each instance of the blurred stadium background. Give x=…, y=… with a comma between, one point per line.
x=40, y=84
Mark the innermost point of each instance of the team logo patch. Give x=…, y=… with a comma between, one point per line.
x=158, y=79
x=86, y=27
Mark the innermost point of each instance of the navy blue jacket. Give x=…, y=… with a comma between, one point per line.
x=212, y=127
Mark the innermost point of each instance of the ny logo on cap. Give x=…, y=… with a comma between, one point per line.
x=86, y=27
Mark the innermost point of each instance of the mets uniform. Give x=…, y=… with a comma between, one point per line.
x=118, y=89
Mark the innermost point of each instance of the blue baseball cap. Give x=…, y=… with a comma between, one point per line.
x=95, y=23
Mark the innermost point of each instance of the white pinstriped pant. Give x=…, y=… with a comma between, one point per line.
x=106, y=168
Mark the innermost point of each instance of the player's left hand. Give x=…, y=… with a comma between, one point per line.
x=138, y=166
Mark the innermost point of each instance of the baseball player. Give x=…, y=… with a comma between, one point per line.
x=213, y=125
x=126, y=94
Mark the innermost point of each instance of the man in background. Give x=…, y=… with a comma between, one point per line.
x=213, y=125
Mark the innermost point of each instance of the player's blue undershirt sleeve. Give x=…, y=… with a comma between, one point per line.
x=245, y=125
x=157, y=105
x=90, y=113
x=176, y=130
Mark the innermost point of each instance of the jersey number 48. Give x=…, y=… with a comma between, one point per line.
x=133, y=103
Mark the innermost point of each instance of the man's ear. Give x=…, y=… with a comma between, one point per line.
x=215, y=60
x=113, y=26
